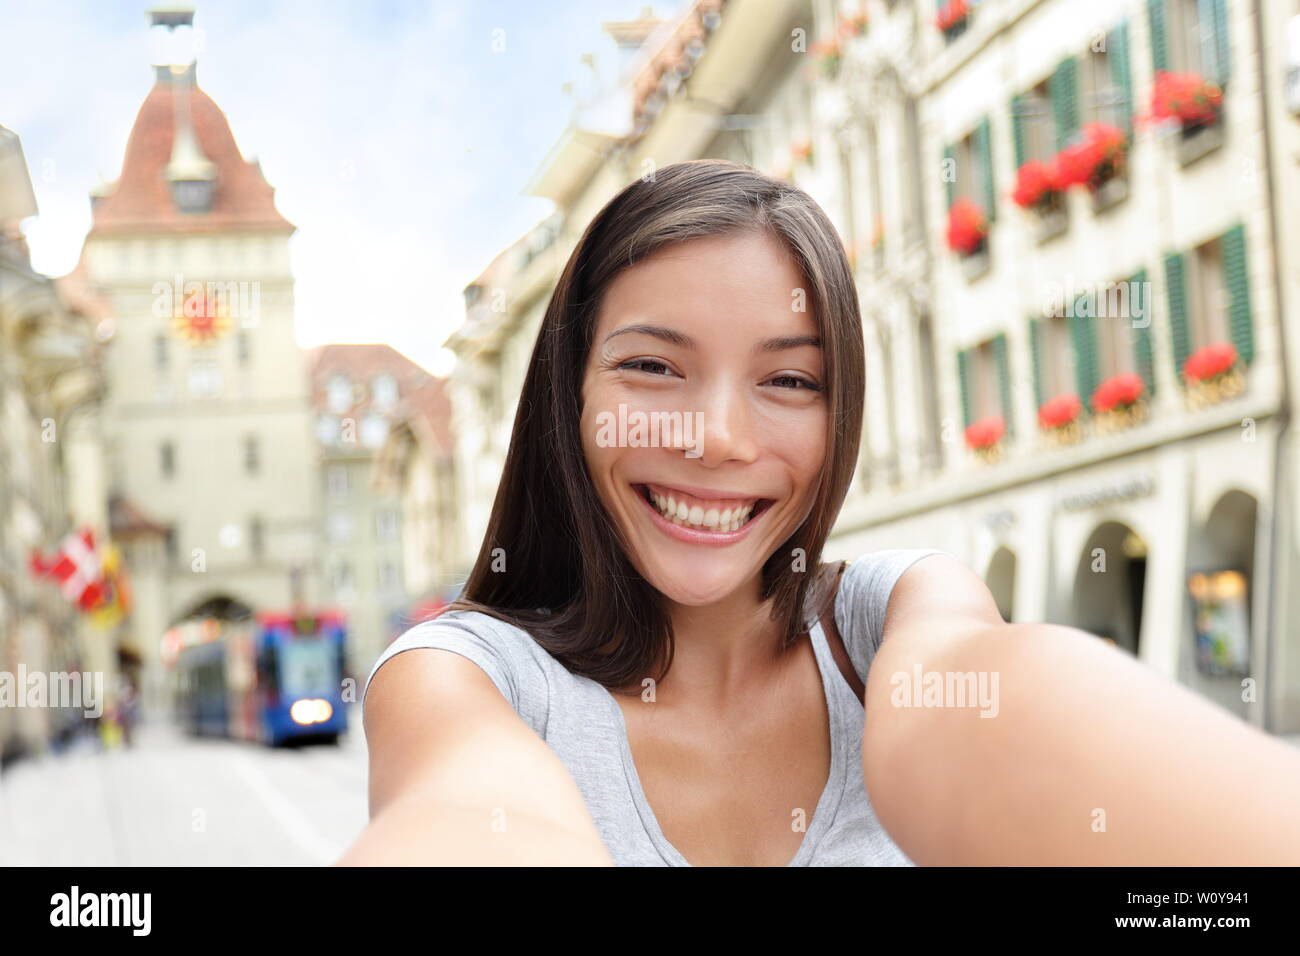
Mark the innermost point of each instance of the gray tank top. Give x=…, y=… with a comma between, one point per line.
x=583, y=724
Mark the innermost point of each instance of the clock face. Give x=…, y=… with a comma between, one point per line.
x=202, y=317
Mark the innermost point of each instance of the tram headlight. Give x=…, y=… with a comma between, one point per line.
x=311, y=710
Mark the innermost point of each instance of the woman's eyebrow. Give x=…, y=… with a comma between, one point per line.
x=672, y=336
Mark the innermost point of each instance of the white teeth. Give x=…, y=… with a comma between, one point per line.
x=678, y=512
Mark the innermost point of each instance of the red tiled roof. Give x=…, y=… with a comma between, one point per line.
x=360, y=363
x=673, y=55
x=427, y=412
x=141, y=201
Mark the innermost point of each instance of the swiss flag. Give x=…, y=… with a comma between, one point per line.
x=76, y=568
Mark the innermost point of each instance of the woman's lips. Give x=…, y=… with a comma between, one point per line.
x=693, y=534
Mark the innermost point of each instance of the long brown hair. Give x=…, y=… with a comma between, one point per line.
x=552, y=561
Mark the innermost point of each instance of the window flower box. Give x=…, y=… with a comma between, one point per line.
x=984, y=437
x=967, y=235
x=952, y=19
x=1195, y=106
x=1098, y=161
x=801, y=152
x=1119, y=402
x=1213, y=375
x=1040, y=189
x=1059, y=419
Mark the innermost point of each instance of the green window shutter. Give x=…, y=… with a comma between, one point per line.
x=1018, y=128
x=1004, y=380
x=963, y=378
x=1063, y=87
x=1176, y=290
x=1159, y=34
x=1236, y=277
x=1036, y=355
x=1143, y=353
x=983, y=143
x=1214, y=39
x=950, y=162
x=1121, y=74
x=1085, y=355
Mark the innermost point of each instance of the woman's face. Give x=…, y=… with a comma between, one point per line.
x=709, y=345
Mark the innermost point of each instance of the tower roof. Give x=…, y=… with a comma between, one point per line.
x=142, y=201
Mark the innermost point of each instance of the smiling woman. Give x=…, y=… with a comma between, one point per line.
x=650, y=664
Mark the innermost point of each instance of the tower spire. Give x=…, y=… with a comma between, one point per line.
x=190, y=173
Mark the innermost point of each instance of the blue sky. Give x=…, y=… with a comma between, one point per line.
x=397, y=140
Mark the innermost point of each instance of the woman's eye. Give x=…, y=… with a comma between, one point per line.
x=649, y=366
x=796, y=382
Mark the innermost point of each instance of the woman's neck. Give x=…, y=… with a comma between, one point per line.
x=724, y=648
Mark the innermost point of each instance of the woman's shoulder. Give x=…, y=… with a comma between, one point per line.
x=862, y=599
x=516, y=663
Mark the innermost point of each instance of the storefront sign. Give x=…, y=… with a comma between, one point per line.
x=1135, y=486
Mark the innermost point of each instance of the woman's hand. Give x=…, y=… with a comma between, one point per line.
x=457, y=779
x=1091, y=757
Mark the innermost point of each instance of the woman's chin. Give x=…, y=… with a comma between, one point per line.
x=699, y=589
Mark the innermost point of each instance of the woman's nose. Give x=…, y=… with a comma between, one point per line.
x=727, y=427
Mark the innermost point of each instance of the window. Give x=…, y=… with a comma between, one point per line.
x=252, y=455
x=327, y=430
x=1056, y=358
x=1209, y=302
x=383, y=391
x=984, y=383
x=338, y=394
x=374, y=429
x=204, y=378
x=167, y=459
x=1106, y=90
x=386, y=524
x=341, y=577
x=160, y=351
x=970, y=162
x=1036, y=125
x=192, y=195
x=336, y=478
x=257, y=537
x=1114, y=332
x=388, y=578
x=340, y=527
x=984, y=379
x=243, y=348
x=931, y=438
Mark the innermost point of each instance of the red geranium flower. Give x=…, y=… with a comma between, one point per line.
x=1035, y=180
x=967, y=226
x=1186, y=97
x=1059, y=411
x=1083, y=163
x=950, y=14
x=1209, y=362
x=1117, y=391
x=985, y=432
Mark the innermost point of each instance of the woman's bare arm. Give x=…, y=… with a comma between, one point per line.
x=456, y=778
x=1092, y=758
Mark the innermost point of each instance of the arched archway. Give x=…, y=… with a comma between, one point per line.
x=1221, y=588
x=1110, y=583
x=223, y=607
x=1001, y=579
